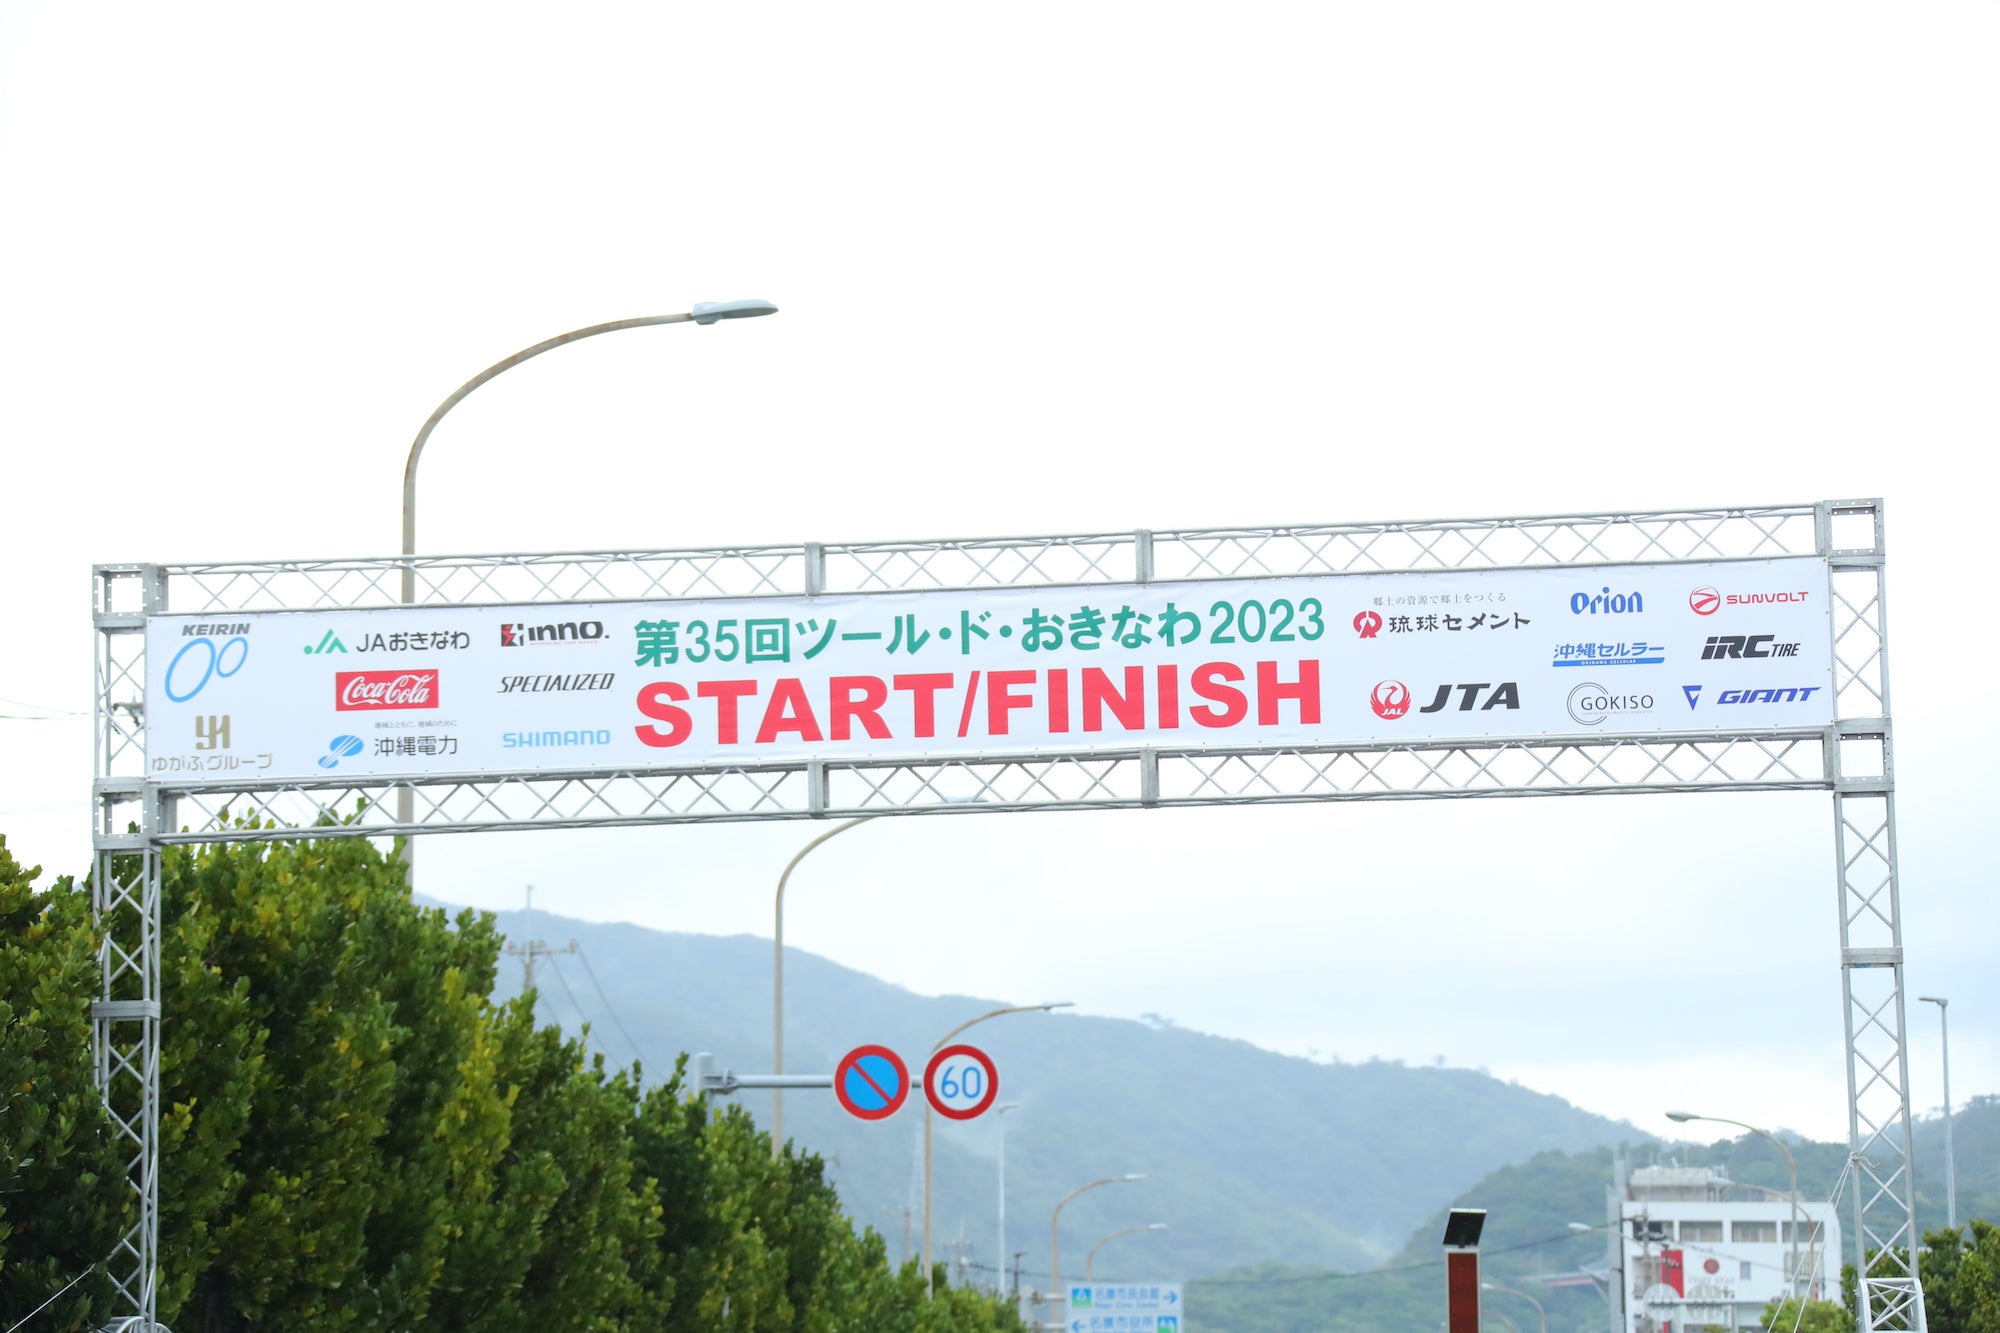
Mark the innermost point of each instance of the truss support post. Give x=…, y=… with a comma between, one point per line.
x=1886, y=1239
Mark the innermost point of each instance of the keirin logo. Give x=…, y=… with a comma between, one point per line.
x=1390, y=699
x=1367, y=624
x=1705, y=601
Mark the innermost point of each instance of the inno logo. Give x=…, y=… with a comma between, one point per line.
x=1368, y=624
x=569, y=631
x=385, y=689
x=1390, y=699
x=1745, y=645
x=1606, y=603
x=1705, y=601
x=1590, y=704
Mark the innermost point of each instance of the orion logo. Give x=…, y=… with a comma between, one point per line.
x=1606, y=603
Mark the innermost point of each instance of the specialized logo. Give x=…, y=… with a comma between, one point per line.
x=1606, y=603
x=1390, y=699
x=569, y=631
x=1707, y=601
x=602, y=680
x=1590, y=704
x=1368, y=624
x=551, y=740
x=339, y=748
x=1732, y=646
x=385, y=689
x=328, y=643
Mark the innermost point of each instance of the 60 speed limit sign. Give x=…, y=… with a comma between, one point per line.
x=961, y=1082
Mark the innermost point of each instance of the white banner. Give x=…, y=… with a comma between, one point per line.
x=1473, y=656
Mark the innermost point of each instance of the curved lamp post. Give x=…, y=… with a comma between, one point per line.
x=708, y=312
x=1682, y=1117
x=1000, y=1120
x=1090, y=1260
x=778, y=984
x=929, y=1277
x=1055, y=1230
x=1950, y=1171
x=1495, y=1286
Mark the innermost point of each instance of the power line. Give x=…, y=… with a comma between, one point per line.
x=618, y=1022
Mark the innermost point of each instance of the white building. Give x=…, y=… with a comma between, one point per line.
x=1700, y=1253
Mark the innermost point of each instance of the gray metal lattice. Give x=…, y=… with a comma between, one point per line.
x=1852, y=759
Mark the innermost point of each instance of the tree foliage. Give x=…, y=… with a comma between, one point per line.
x=354, y=1137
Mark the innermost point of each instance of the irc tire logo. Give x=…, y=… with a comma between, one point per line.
x=1390, y=699
x=1704, y=601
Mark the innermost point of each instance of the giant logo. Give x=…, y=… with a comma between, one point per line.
x=384, y=689
x=1796, y=694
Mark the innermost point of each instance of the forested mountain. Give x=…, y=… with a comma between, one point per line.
x=1250, y=1156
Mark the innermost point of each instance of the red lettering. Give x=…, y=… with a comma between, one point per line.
x=845, y=709
x=788, y=711
x=725, y=693
x=1167, y=690
x=923, y=697
x=1058, y=700
x=653, y=703
x=1129, y=708
x=1001, y=700
x=1270, y=693
x=1206, y=681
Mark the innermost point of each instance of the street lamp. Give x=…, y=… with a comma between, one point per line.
x=1495, y=1286
x=708, y=312
x=1000, y=1118
x=778, y=983
x=1090, y=1260
x=1682, y=1117
x=1950, y=1171
x=942, y=1043
x=1055, y=1230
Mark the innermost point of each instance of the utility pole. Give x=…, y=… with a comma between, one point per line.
x=531, y=948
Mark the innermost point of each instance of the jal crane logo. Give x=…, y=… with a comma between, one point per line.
x=1390, y=699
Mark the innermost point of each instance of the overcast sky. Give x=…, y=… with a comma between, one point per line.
x=1062, y=267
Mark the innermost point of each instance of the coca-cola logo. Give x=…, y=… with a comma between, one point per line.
x=385, y=689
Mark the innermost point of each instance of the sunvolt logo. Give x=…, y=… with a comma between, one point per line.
x=329, y=643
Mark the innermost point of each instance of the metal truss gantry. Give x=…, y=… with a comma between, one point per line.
x=1852, y=758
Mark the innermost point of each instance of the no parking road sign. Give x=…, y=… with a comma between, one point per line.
x=871, y=1082
x=961, y=1082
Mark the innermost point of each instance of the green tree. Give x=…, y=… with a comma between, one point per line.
x=62, y=1188
x=1815, y=1317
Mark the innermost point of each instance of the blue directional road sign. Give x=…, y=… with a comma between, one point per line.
x=1125, y=1307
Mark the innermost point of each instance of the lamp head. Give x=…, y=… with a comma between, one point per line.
x=1137, y=1177
x=1057, y=1004
x=708, y=312
x=1682, y=1117
x=1937, y=1000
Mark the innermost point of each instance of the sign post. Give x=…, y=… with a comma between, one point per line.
x=871, y=1082
x=1123, y=1307
x=961, y=1082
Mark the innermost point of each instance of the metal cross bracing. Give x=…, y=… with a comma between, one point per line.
x=1851, y=759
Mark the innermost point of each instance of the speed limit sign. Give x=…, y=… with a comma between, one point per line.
x=961, y=1082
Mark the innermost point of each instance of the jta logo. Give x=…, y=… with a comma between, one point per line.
x=211, y=732
x=1368, y=624
x=1707, y=601
x=1745, y=645
x=1606, y=603
x=328, y=643
x=569, y=631
x=385, y=689
x=1391, y=698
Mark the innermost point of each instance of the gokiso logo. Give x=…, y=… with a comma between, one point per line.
x=1391, y=699
x=552, y=740
x=1606, y=603
x=201, y=660
x=1707, y=601
x=1368, y=624
x=1796, y=694
x=385, y=689
x=1733, y=647
x=514, y=635
x=1591, y=704
x=339, y=748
